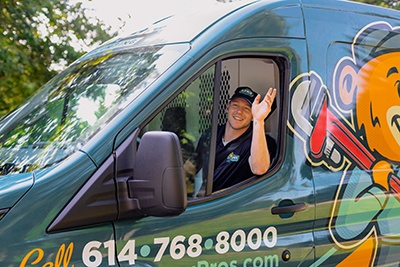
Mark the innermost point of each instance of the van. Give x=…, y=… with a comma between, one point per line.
x=92, y=166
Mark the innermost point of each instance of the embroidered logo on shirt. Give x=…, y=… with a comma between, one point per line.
x=232, y=157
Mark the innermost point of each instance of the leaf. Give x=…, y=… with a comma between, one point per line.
x=36, y=37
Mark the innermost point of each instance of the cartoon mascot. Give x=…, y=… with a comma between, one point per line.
x=356, y=130
x=371, y=80
x=367, y=86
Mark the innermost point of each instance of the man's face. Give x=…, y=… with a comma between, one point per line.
x=239, y=114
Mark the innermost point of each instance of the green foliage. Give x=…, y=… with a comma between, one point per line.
x=39, y=37
x=36, y=38
x=395, y=4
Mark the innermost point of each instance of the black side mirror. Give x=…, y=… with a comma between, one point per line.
x=158, y=183
x=150, y=182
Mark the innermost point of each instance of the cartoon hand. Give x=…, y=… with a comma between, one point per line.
x=384, y=175
x=381, y=173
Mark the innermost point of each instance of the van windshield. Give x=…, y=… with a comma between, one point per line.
x=76, y=104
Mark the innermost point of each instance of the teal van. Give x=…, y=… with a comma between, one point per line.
x=92, y=166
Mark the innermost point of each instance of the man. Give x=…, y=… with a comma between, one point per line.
x=242, y=147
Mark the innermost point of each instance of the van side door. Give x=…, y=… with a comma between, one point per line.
x=262, y=221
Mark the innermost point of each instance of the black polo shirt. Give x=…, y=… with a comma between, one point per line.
x=231, y=161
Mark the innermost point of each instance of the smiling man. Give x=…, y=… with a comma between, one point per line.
x=242, y=150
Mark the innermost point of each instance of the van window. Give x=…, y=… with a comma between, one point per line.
x=77, y=104
x=189, y=114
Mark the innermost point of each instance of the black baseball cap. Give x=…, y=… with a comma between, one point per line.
x=246, y=93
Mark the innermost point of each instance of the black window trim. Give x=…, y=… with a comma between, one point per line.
x=283, y=64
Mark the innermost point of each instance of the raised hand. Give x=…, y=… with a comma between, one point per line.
x=260, y=110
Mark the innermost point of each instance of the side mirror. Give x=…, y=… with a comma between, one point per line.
x=130, y=184
x=158, y=184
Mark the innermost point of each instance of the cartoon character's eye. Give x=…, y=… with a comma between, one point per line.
x=398, y=87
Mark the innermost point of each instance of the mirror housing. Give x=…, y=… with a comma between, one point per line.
x=130, y=184
x=158, y=186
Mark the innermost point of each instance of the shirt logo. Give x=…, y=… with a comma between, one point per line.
x=232, y=157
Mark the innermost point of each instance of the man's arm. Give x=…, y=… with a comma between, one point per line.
x=259, y=159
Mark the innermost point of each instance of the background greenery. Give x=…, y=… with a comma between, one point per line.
x=41, y=37
x=37, y=39
x=384, y=3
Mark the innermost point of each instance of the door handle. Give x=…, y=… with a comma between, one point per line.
x=287, y=206
x=288, y=209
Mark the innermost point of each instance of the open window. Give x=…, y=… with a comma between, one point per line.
x=200, y=108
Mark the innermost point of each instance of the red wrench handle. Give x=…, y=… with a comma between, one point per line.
x=394, y=183
x=329, y=126
x=353, y=148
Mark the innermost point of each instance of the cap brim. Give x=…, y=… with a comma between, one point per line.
x=247, y=100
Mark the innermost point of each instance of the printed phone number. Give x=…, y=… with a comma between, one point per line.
x=180, y=246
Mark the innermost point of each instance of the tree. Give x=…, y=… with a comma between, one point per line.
x=37, y=38
x=383, y=3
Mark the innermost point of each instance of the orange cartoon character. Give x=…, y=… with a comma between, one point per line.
x=366, y=87
x=354, y=129
x=371, y=80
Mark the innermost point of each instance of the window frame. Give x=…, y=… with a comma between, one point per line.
x=283, y=65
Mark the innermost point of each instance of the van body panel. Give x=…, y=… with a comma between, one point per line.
x=201, y=221
x=238, y=217
x=284, y=19
x=55, y=186
x=353, y=7
x=11, y=192
x=354, y=209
